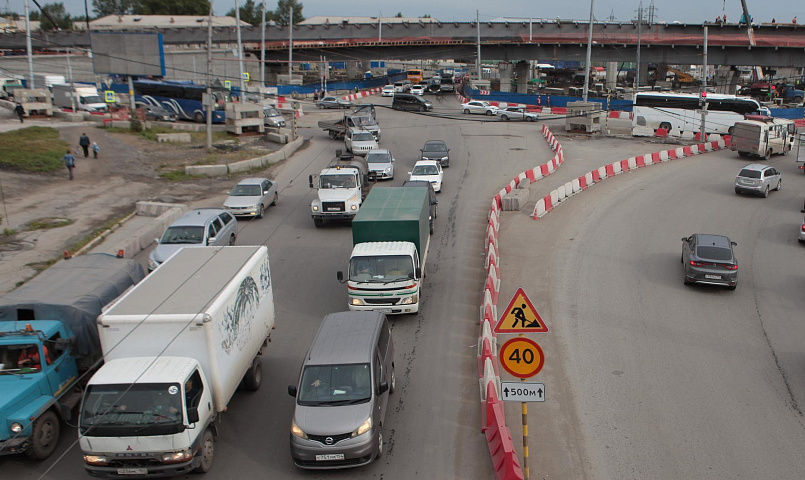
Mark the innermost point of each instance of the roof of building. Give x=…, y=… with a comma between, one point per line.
x=139, y=22
x=323, y=20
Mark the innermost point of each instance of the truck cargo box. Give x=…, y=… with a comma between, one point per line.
x=394, y=214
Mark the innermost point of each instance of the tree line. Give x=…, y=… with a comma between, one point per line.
x=54, y=16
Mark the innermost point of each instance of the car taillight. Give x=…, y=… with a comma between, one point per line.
x=730, y=267
x=803, y=227
x=697, y=264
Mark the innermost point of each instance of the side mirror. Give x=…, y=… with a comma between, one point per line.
x=383, y=387
x=802, y=211
x=211, y=240
x=418, y=272
x=156, y=240
x=435, y=202
x=340, y=276
x=734, y=244
x=292, y=390
x=192, y=415
x=310, y=180
x=684, y=239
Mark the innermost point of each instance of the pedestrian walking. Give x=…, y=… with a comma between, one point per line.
x=20, y=111
x=316, y=94
x=69, y=161
x=84, y=143
x=95, y=149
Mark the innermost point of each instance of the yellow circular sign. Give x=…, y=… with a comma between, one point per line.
x=522, y=357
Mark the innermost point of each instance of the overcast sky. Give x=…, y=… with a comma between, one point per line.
x=688, y=11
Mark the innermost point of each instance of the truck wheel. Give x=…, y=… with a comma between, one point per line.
x=767, y=155
x=797, y=99
x=318, y=222
x=666, y=126
x=254, y=376
x=45, y=436
x=333, y=135
x=207, y=453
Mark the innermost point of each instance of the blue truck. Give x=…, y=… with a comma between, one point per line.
x=48, y=341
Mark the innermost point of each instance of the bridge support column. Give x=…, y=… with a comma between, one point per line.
x=352, y=70
x=505, y=70
x=612, y=75
x=523, y=76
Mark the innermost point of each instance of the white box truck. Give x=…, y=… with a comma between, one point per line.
x=176, y=348
x=80, y=97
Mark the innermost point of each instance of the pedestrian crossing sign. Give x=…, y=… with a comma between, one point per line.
x=521, y=316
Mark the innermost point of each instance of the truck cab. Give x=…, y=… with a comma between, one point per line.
x=341, y=186
x=36, y=368
x=384, y=277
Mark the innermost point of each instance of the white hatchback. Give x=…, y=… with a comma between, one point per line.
x=429, y=171
x=479, y=107
x=388, y=91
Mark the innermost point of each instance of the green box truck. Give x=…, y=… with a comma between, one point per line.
x=390, y=237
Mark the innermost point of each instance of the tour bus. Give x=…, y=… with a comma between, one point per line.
x=183, y=98
x=681, y=111
x=763, y=136
x=415, y=75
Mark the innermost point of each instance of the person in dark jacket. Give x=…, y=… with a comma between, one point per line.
x=69, y=162
x=19, y=111
x=84, y=142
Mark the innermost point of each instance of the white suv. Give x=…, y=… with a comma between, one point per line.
x=418, y=90
x=359, y=142
x=758, y=179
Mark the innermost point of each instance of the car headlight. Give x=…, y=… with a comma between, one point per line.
x=444, y=159
x=296, y=431
x=315, y=208
x=16, y=427
x=355, y=301
x=410, y=300
x=365, y=427
x=96, y=460
x=387, y=170
x=152, y=264
x=177, y=457
x=353, y=208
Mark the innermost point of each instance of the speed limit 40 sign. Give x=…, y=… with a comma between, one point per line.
x=522, y=357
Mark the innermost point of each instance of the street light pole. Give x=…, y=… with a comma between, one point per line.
x=589, y=53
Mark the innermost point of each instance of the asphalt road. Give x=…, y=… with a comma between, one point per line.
x=648, y=378
x=433, y=425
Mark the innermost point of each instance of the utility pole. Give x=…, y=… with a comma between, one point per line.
x=290, y=46
x=639, y=26
x=589, y=53
x=240, y=53
x=478, y=42
x=263, y=49
x=70, y=81
x=29, y=47
x=703, y=97
x=210, y=100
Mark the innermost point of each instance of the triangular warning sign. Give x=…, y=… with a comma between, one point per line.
x=521, y=316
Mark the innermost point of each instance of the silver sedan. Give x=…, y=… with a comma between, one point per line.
x=251, y=196
x=333, y=102
x=517, y=113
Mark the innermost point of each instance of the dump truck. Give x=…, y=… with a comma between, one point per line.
x=176, y=346
x=337, y=129
x=342, y=186
x=390, y=237
x=48, y=343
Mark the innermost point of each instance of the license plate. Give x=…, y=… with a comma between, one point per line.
x=383, y=310
x=132, y=471
x=713, y=277
x=330, y=456
x=333, y=209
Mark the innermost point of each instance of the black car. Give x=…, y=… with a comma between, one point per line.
x=407, y=101
x=434, y=203
x=436, y=150
x=160, y=114
x=709, y=259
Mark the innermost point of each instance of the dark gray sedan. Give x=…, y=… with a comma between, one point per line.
x=333, y=102
x=436, y=150
x=159, y=114
x=709, y=259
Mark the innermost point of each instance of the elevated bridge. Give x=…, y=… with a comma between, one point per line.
x=779, y=45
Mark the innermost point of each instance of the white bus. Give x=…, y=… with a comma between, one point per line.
x=681, y=111
x=763, y=136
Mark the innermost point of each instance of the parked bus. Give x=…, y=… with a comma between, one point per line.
x=681, y=111
x=184, y=98
x=763, y=136
x=415, y=75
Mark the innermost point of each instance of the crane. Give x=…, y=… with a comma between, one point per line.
x=749, y=30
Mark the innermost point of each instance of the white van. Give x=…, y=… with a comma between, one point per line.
x=763, y=136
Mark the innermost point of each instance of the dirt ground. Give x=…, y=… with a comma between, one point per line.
x=104, y=189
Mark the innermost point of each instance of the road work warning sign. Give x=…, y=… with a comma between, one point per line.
x=521, y=316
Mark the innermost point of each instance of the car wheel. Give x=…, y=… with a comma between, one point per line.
x=379, y=444
x=686, y=281
x=207, y=453
x=504, y=117
x=767, y=155
x=766, y=192
x=729, y=132
x=489, y=113
x=44, y=437
x=231, y=239
x=276, y=199
x=393, y=384
x=732, y=287
x=199, y=117
x=737, y=192
x=318, y=222
x=786, y=149
x=431, y=226
x=260, y=211
x=779, y=185
x=529, y=119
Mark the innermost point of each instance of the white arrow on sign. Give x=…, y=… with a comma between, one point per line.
x=522, y=392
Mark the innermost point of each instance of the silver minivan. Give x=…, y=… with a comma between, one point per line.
x=758, y=179
x=343, y=392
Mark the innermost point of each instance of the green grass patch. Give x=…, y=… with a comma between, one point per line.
x=176, y=175
x=32, y=149
x=47, y=223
